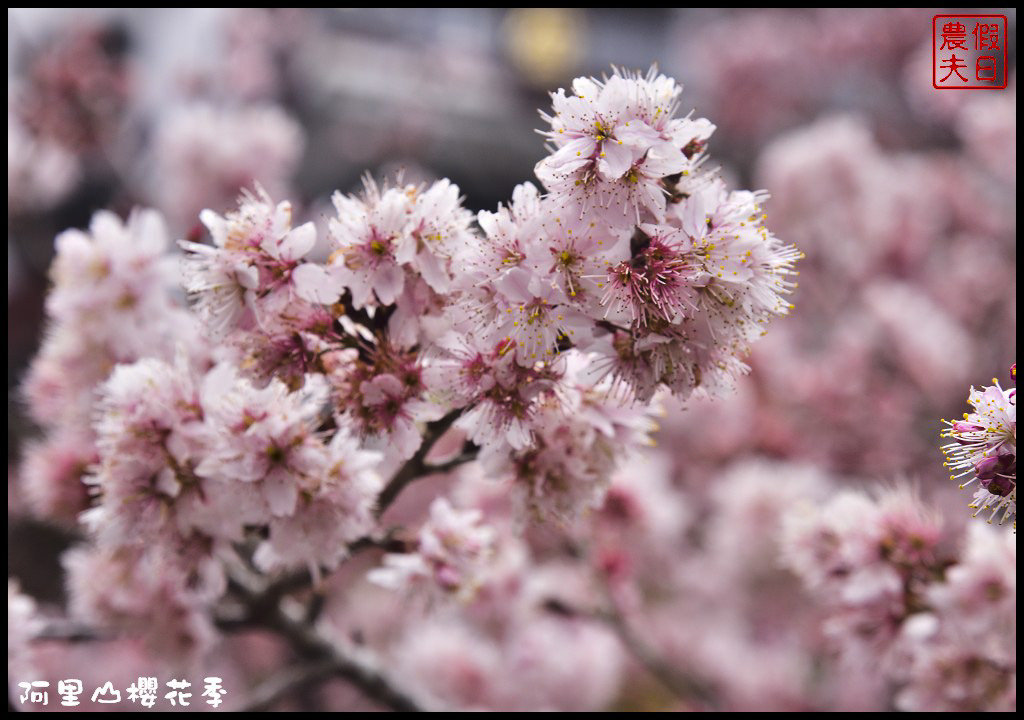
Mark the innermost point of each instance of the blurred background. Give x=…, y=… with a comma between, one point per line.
x=903, y=197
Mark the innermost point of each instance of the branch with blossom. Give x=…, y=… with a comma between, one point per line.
x=238, y=449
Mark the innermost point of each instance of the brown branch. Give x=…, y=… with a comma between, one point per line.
x=416, y=466
x=328, y=658
x=460, y=459
x=357, y=665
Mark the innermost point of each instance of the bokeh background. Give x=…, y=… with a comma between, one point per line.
x=903, y=197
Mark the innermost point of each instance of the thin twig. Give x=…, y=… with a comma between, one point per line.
x=285, y=683
x=460, y=459
x=687, y=686
x=71, y=631
x=302, y=579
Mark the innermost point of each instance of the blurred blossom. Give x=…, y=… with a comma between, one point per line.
x=988, y=126
x=40, y=172
x=112, y=302
x=773, y=69
x=933, y=347
x=256, y=40
x=929, y=104
x=204, y=156
x=831, y=180
x=913, y=598
x=76, y=88
x=451, y=549
x=962, y=656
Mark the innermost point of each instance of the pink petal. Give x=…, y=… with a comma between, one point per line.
x=316, y=283
x=389, y=282
x=618, y=158
x=298, y=242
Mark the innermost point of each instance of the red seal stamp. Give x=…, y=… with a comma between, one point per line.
x=969, y=52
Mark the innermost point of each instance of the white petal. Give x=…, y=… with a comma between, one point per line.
x=298, y=242
x=316, y=283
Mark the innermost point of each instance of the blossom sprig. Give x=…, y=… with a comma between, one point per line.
x=613, y=143
x=668, y=282
x=636, y=253
x=984, y=450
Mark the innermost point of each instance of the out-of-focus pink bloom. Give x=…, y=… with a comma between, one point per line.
x=118, y=589
x=774, y=68
x=53, y=472
x=988, y=126
x=76, y=89
x=962, y=655
x=112, y=302
x=871, y=559
x=204, y=156
x=940, y=618
x=452, y=552
x=40, y=172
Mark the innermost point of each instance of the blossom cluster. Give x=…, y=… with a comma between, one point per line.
x=875, y=307
x=68, y=104
x=984, y=449
x=636, y=251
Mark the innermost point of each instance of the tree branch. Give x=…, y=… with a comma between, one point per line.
x=73, y=632
x=328, y=657
x=302, y=579
x=687, y=686
x=416, y=466
x=265, y=604
x=460, y=459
